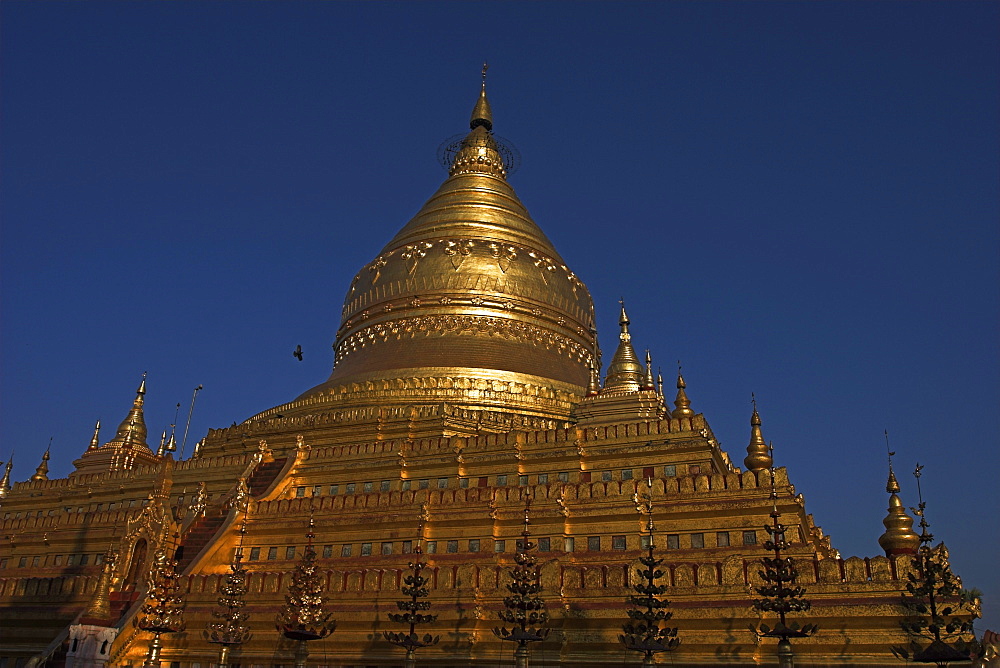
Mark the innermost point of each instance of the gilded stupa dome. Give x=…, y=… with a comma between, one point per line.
x=468, y=304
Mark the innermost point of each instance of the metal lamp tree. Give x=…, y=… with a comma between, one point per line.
x=524, y=609
x=163, y=611
x=644, y=632
x=303, y=618
x=933, y=596
x=415, y=587
x=231, y=629
x=779, y=593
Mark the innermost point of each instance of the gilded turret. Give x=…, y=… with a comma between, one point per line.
x=625, y=373
x=682, y=405
x=899, y=536
x=132, y=430
x=650, y=384
x=5, y=481
x=758, y=453
x=594, y=386
x=95, y=440
x=42, y=472
x=99, y=609
x=629, y=391
x=126, y=450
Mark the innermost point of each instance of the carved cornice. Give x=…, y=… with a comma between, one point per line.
x=435, y=389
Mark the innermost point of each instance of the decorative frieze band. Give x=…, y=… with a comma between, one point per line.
x=512, y=330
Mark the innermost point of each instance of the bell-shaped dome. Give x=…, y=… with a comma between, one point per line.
x=468, y=304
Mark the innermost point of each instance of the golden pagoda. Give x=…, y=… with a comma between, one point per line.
x=466, y=382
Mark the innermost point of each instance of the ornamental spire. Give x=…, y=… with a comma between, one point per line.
x=758, y=454
x=594, y=383
x=481, y=113
x=480, y=152
x=132, y=430
x=5, y=481
x=650, y=383
x=42, y=472
x=98, y=611
x=625, y=373
x=95, y=440
x=682, y=405
x=899, y=536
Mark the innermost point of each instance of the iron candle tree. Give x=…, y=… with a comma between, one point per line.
x=524, y=609
x=163, y=611
x=644, y=633
x=231, y=629
x=303, y=618
x=933, y=596
x=779, y=593
x=415, y=587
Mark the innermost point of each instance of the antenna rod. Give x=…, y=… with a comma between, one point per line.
x=188, y=425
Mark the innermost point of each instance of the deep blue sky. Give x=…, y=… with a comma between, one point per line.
x=796, y=199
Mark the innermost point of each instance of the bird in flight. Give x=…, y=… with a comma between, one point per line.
x=297, y=353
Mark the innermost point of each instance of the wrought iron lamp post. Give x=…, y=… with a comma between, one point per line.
x=524, y=609
x=644, y=633
x=303, y=617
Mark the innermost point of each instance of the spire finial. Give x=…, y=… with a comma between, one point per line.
x=650, y=381
x=758, y=452
x=682, y=405
x=892, y=485
x=626, y=372
x=41, y=473
x=132, y=430
x=5, y=481
x=99, y=609
x=482, y=115
x=95, y=440
x=594, y=383
x=624, y=322
x=899, y=537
